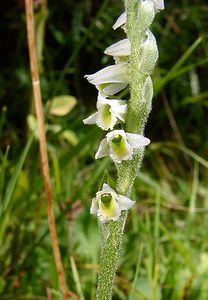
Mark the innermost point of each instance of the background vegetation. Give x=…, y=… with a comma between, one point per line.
x=165, y=253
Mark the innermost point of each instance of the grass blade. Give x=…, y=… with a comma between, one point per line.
x=177, y=66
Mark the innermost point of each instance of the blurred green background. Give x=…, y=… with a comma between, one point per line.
x=165, y=250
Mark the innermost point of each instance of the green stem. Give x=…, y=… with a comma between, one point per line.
x=109, y=257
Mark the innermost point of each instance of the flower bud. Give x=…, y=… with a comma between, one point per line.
x=146, y=15
x=149, y=54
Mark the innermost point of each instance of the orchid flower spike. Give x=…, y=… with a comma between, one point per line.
x=109, y=113
x=110, y=80
x=107, y=204
x=120, y=145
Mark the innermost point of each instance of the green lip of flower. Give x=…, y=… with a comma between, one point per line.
x=106, y=200
x=119, y=146
x=106, y=115
x=117, y=139
x=107, y=204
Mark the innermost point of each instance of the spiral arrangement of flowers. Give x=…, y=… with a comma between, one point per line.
x=124, y=120
x=112, y=111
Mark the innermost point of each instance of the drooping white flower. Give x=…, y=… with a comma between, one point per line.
x=110, y=80
x=107, y=204
x=121, y=48
x=121, y=21
x=120, y=145
x=108, y=114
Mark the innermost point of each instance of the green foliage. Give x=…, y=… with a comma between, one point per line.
x=165, y=253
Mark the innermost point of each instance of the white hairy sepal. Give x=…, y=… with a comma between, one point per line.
x=120, y=145
x=110, y=80
x=121, y=48
x=149, y=54
x=109, y=113
x=121, y=21
x=110, y=209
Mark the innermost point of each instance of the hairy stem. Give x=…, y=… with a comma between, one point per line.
x=109, y=257
x=43, y=146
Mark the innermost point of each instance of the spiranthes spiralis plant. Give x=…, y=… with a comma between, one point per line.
x=135, y=58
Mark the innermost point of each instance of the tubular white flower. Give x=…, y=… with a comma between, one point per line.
x=109, y=113
x=107, y=204
x=110, y=80
x=120, y=145
x=120, y=21
x=121, y=48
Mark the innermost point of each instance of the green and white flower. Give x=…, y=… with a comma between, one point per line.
x=111, y=79
x=120, y=145
x=109, y=113
x=107, y=204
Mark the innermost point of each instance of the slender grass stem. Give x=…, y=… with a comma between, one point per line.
x=43, y=146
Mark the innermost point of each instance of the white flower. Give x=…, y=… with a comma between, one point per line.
x=107, y=204
x=121, y=48
x=158, y=4
x=120, y=145
x=108, y=114
x=110, y=80
x=120, y=21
